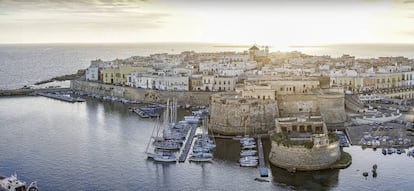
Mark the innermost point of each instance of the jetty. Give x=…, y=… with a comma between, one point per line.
x=187, y=145
x=26, y=92
x=262, y=165
x=61, y=97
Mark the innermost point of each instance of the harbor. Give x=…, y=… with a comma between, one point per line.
x=126, y=134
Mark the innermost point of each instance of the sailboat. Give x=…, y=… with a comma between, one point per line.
x=165, y=139
x=203, y=146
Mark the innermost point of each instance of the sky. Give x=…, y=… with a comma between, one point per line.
x=289, y=22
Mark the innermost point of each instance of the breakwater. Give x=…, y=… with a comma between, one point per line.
x=142, y=95
x=23, y=92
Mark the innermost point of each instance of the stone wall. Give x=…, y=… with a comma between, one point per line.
x=330, y=105
x=232, y=115
x=298, y=104
x=303, y=159
x=143, y=95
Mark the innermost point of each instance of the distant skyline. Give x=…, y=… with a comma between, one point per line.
x=239, y=22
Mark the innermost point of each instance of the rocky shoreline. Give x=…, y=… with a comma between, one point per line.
x=74, y=76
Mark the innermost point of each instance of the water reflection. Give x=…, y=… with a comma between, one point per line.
x=313, y=180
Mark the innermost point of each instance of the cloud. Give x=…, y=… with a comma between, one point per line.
x=95, y=13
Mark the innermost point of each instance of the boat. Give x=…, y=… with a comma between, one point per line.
x=192, y=119
x=13, y=184
x=251, y=146
x=410, y=152
x=246, y=139
x=166, y=145
x=249, y=152
x=163, y=156
x=375, y=119
x=248, y=162
x=251, y=157
x=201, y=157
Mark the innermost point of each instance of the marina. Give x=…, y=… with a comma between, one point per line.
x=127, y=135
x=262, y=165
x=187, y=145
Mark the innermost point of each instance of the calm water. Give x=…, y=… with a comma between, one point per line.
x=27, y=64
x=100, y=146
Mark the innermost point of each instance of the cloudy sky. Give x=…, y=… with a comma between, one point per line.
x=255, y=21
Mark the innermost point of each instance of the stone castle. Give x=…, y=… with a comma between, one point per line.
x=297, y=111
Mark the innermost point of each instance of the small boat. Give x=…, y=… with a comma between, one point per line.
x=167, y=145
x=248, y=152
x=249, y=146
x=390, y=151
x=410, y=152
x=192, y=119
x=13, y=184
x=247, y=162
x=251, y=157
x=384, y=151
x=163, y=156
x=201, y=157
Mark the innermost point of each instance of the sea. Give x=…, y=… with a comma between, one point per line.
x=99, y=145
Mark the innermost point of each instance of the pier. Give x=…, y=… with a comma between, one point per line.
x=262, y=165
x=25, y=92
x=187, y=145
x=60, y=97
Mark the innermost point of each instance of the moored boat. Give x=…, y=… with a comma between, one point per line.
x=13, y=184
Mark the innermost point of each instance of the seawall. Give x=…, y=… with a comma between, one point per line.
x=142, y=95
x=25, y=92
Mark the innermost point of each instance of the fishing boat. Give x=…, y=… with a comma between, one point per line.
x=13, y=184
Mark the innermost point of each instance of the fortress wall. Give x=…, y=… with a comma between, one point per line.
x=232, y=115
x=303, y=159
x=298, y=104
x=332, y=107
x=143, y=95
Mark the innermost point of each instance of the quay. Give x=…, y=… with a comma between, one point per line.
x=60, y=97
x=23, y=92
x=262, y=165
x=187, y=145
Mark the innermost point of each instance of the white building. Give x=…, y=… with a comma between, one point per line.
x=223, y=83
x=172, y=83
x=92, y=72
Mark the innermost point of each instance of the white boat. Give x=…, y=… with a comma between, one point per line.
x=373, y=119
x=163, y=156
x=246, y=139
x=248, y=152
x=248, y=162
x=167, y=145
x=201, y=157
x=251, y=157
x=193, y=119
x=13, y=184
x=251, y=146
